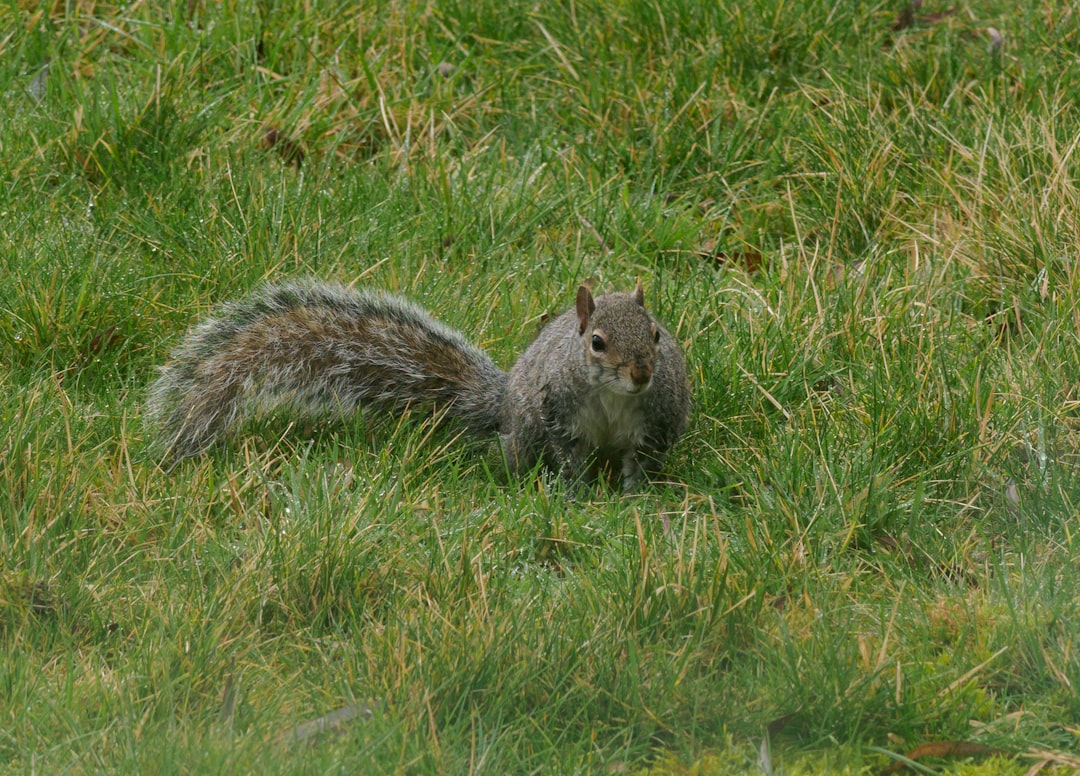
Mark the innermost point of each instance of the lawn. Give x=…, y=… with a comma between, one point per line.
x=861, y=221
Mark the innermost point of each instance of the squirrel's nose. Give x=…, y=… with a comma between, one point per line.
x=641, y=374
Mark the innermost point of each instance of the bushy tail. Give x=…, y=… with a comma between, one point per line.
x=318, y=348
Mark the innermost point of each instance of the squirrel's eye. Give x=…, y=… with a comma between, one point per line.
x=598, y=344
x=656, y=336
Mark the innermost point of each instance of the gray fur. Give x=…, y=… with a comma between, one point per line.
x=560, y=406
x=317, y=347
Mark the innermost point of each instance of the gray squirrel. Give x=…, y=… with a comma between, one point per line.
x=602, y=385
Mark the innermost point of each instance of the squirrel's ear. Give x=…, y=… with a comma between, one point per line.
x=639, y=293
x=585, y=306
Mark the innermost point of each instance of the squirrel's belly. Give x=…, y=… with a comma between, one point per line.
x=611, y=421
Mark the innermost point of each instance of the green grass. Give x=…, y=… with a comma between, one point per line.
x=866, y=239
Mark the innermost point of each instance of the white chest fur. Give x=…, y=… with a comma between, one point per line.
x=608, y=420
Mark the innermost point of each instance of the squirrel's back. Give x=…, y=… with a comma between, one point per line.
x=318, y=347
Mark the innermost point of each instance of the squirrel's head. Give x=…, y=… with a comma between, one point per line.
x=620, y=339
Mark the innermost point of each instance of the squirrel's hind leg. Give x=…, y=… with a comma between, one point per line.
x=634, y=473
x=518, y=454
x=638, y=468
